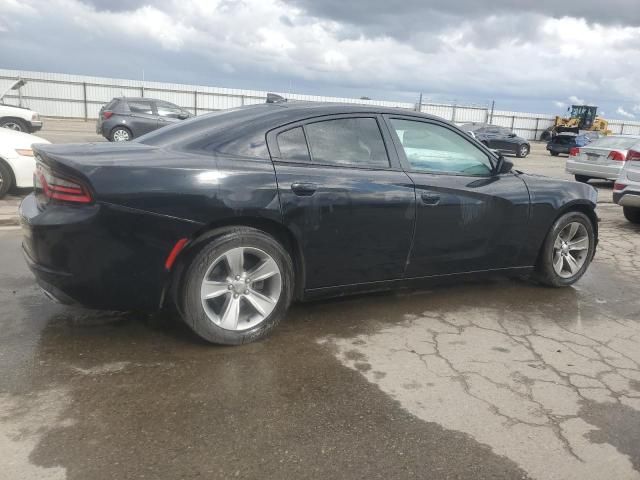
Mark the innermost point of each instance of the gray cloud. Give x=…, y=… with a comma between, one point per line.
x=396, y=15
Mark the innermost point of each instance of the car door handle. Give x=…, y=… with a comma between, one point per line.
x=304, y=189
x=430, y=199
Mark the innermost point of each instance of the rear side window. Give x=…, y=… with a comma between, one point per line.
x=166, y=109
x=293, y=145
x=139, y=106
x=347, y=141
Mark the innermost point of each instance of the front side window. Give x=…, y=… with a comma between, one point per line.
x=166, y=109
x=140, y=106
x=293, y=146
x=437, y=149
x=347, y=141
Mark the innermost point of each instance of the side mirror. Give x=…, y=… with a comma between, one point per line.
x=503, y=165
x=512, y=135
x=183, y=116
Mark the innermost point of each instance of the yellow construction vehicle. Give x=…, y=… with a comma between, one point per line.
x=581, y=118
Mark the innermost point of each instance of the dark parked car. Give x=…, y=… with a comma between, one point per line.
x=126, y=118
x=232, y=215
x=498, y=138
x=564, y=142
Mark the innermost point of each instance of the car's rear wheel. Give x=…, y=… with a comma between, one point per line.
x=582, y=178
x=6, y=179
x=121, y=134
x=632, y=214
x=523, y=151
x=14, y=124
x=567, y=251
x=555, y=154
x=238, y=287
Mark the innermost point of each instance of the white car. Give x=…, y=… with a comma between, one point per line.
x=16, y=159
x=18, y=118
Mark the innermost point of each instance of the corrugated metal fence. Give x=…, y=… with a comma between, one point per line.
x=79, y=96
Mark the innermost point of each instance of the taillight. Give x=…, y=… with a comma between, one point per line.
x=107, y=114
x=617, y=156
x=619, y=186
x=574, y=152
x=57, y=187
x=633, y=156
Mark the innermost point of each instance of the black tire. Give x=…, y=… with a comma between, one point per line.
x=555, y=154
x=6, y=179
x=582, y=178
x=120, y=130
x=16, y=124
x=632, y=214
x=193, y=312
x=523, y=150
x=545, y=272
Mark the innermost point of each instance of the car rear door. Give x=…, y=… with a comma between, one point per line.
x=168, y=113
x=346, y=198
x=468, y=218
x=142, y=116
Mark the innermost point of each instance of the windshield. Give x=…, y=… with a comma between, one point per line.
x=616, y=143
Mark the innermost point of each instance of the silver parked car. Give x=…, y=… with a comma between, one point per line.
x=626, y=190
x=603, y=158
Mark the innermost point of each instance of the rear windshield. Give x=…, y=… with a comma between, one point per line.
x=564, y=139
x=615, y=143
x=235, y=131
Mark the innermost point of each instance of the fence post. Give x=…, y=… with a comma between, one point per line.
x=242, y=100
x=535, y=135
x=84, y=98
x=142, y=91
x=493, y=105
x=195, y=102
x=453, y=113
x=513, y=121
x=419, y=109
x=622, y=129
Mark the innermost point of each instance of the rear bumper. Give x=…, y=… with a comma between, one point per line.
x=608, y=172
x=627, y=198
x=99, y=256
x=35, y=125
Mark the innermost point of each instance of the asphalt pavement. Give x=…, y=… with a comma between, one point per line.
x=493, y=379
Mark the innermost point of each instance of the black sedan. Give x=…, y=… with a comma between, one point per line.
x=233, y=215
x=498, y=138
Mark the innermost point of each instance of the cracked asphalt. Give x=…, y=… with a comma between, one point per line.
x=494, y=379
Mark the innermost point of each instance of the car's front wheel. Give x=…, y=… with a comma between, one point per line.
x=121, y=134
x=523, y=151
x=238, y=287
x=632, y=214
x=567, y=251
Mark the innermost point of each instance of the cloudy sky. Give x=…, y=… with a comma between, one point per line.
x=528, y=55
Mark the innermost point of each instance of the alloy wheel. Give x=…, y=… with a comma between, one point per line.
x=13, y=126
x=524, y=150
x=570, y=249
x=241, y=288
x=120, y=135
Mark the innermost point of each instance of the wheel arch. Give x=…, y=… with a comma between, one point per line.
x=11, y=172
x=270, y=227
x=581, y=206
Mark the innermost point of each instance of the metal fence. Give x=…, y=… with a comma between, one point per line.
x=79, y=96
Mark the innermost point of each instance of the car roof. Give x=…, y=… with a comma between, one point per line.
x=248, y=125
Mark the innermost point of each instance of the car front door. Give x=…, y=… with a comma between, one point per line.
x=345, y=197
x=468, y=217
x=142, y=117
